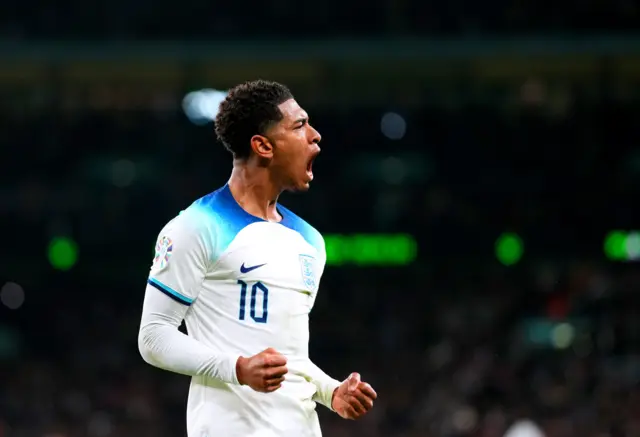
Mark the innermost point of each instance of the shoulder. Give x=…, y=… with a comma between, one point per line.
x=185, y=233
x=191, y=221
x=220, y=217
x=200, y=222
x=308, y=232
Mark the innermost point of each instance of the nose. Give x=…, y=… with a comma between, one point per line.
x=314, y=135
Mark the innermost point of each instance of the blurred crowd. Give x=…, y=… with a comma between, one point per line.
x=448, y=351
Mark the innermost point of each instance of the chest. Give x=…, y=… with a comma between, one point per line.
x=273, y=255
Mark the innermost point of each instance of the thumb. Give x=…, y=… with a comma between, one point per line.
x=353, y=381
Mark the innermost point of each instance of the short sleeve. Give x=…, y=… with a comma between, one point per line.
x=322, y=249
x=321, y=252
x=181, y=259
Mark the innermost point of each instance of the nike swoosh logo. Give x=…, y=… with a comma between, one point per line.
x=244, y=269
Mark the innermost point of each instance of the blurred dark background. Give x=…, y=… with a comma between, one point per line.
x=478, y=189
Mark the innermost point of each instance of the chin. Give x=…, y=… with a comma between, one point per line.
x=300, y=188
x=300, y=183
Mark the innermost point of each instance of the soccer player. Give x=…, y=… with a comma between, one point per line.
x=243, y=272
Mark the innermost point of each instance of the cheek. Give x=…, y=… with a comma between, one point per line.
x=290, y=156
x=286, y=161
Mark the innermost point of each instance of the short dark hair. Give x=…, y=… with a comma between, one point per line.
x=249, y=109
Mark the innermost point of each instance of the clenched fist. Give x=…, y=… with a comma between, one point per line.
x=263, y=372
x=353, y=398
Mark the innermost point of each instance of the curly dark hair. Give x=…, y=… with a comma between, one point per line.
x=249, y=109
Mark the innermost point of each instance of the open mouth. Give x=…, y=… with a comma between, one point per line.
x=311, y=159
x=310, y=165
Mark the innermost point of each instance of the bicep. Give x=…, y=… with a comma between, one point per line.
x=180, y=262
x=160, y=309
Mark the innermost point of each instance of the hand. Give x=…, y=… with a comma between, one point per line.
x=353, y=398
x=263, y=372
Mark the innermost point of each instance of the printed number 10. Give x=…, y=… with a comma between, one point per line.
x=252, y=307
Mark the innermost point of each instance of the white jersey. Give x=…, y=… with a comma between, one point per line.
x=249, y=285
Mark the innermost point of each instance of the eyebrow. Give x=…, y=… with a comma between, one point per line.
x=303, y=120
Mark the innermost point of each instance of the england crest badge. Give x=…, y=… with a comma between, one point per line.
x=308, y=270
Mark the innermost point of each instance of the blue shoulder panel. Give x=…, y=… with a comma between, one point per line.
x=226, y=216
x=223, y=213
x=308, y=232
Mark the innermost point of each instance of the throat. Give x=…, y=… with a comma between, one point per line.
x=257, y=196
x=273, y=215
x=268, y=212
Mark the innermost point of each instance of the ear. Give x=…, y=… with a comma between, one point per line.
x=262, y=146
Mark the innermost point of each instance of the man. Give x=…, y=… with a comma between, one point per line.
x=243, y=272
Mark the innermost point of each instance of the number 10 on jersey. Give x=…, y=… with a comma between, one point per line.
x=255, y=288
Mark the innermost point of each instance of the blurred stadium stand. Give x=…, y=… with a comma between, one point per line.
x=120, y=19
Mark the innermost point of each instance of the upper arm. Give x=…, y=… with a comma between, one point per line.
x=319, y=244
x=181, y=259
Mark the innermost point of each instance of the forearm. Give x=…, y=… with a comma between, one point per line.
x=325, y=385
x=167, y=348
x=162, y=345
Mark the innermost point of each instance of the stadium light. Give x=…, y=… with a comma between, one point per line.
x=509, y=248
x=370, y=249
x=201, y=107
x=62, y=253
x=622, y=245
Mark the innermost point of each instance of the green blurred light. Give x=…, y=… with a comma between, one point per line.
x=370, y=249
x=615, y=245
x=63, y=253
x=509, y=248
x=622, y=245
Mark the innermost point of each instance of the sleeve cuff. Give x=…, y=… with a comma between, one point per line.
x=222, y=367
x=324, y=393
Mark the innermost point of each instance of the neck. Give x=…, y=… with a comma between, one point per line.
x=254, y=190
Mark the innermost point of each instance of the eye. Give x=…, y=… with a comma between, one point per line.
x=302, y=124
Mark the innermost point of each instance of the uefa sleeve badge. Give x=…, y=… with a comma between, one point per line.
x=164, y=248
